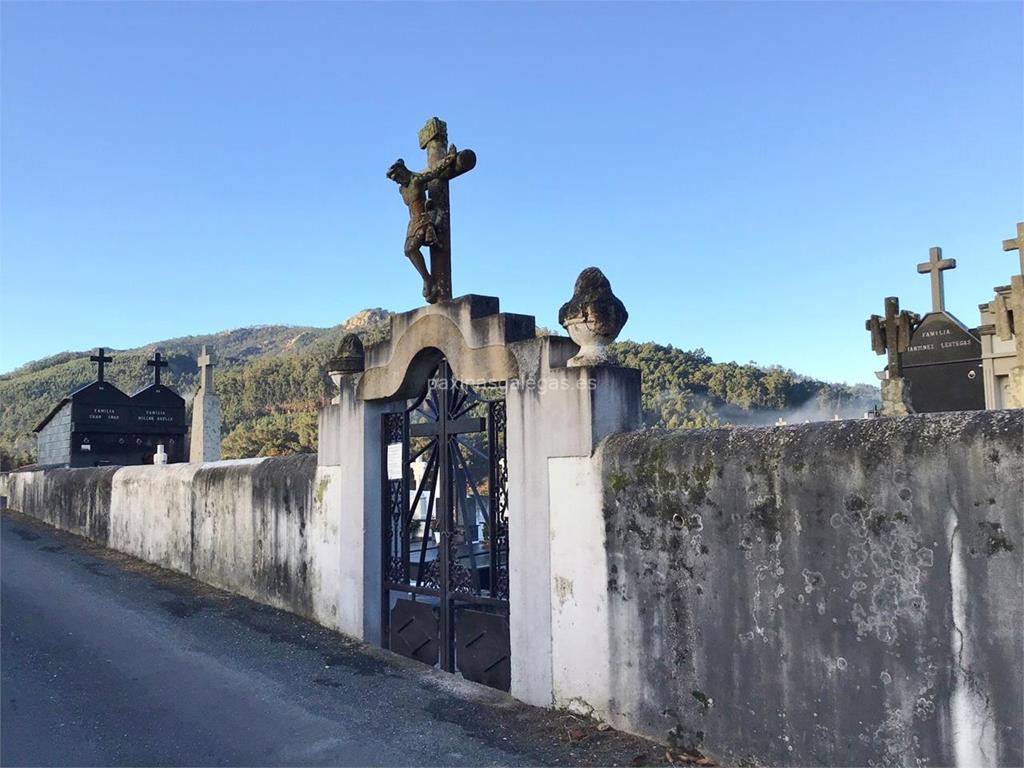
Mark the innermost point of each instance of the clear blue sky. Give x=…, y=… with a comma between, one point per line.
x=753, y=178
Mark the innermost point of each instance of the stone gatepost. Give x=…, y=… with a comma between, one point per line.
x=552, y=410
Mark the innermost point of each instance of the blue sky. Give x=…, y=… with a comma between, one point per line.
x=753, y=178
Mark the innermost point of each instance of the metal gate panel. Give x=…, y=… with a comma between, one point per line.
x=445, y=529
x=483, y=651
x=414, y=631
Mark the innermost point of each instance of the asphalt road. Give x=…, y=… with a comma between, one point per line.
x=108, y=661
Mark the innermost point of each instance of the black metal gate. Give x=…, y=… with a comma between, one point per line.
x=445, y=530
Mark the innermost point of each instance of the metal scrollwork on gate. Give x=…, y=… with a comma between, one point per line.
x=445, y=526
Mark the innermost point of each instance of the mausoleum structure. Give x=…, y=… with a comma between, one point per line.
x=936, y=363
x=998, y=349
x=100, y=425
x=1002, y=336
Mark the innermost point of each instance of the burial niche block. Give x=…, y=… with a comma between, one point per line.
x=98, y=424
x=943, y=365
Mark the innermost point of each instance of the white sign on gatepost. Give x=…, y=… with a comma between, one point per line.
x=395, y=461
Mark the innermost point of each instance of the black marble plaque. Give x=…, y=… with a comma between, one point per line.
x=941, y=338
x=956, y=386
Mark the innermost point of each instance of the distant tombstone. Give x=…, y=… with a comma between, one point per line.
x=205, y=444
x=942, y=360
x=943, y=365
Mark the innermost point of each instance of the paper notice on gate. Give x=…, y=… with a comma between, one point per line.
x=395, y=461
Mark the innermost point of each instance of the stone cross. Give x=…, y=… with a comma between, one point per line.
x=891, y=334
x=100, y=358
x=205, y=435
x=936, y=265
x=1017, y=244
x=433, y=138
x=157, y=362
x=206, y=363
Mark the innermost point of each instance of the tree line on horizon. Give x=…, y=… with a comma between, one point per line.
x=271, y=388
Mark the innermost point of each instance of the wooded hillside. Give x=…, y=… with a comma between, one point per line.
x=272, y=381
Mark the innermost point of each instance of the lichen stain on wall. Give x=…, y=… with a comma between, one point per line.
x=797, y=578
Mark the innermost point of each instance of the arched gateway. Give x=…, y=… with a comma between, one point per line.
x=445, y=528
x=435, y=455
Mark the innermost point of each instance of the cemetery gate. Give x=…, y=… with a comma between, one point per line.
x=445, y=530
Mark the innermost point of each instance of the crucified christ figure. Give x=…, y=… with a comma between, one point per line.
x=421, y=231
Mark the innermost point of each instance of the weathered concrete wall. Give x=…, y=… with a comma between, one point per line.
x=151, y=514
x=840, y=593
x=249, y=534
x=263, y=528
x=75, y=500
x=845, y=593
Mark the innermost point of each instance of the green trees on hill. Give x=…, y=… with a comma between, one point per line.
x=269, y=406
x=272, y=382
x=687, y=389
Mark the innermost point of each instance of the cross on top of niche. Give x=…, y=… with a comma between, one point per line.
x=100, y=358
x=936, y=265
x=157, y=362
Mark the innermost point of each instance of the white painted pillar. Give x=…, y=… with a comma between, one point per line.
x=553, y=412
x=579, y=588
x=350, y=434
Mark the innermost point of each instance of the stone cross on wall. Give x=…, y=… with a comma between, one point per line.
x=936, y=265
x=206, y=362
x=1017, y=244
x=100, y=358
x=890, y=335
x=157, y=362
x=426, y=195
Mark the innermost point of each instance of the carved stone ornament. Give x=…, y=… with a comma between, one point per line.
x=349, y=358
x=594, y=316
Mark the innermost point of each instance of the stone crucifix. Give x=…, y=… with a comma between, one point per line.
x=426, y=195
x=936, y=265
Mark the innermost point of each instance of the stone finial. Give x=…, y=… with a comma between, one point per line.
x=594, y=316
x=349, y=358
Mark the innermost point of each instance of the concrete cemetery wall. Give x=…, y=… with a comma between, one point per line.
x=845, y=593
x=263, y=528
x=73, y=500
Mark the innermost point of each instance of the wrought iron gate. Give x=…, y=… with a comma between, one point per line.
x=445, y=530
